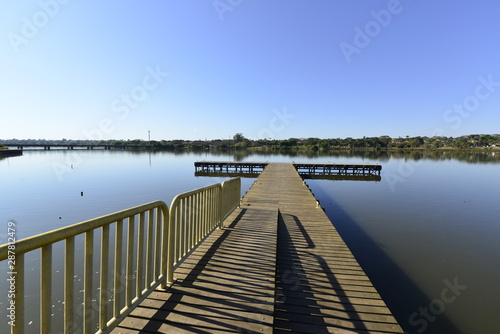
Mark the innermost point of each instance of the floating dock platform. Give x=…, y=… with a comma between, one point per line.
x=330, y=171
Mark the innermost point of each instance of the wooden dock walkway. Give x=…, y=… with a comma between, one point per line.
x=278, y=266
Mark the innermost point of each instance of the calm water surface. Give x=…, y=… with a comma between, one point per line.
x=428, y=234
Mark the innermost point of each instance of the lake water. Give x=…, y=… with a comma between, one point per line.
x=427, y=234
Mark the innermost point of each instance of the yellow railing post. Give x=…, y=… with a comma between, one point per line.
x=45, y=288
x=19, y=299
x=118, y=286
x=166, y=243
x=129, y=261
x=103, y=296
x=69, y=284
x=220, y=207
x=140, y=256
x=87, y=281
x=170, y=247
x=150, y=260
x=157, y=273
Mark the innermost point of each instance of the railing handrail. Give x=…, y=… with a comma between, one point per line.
x=50, y=237
x=230, y=181
x=180, y=196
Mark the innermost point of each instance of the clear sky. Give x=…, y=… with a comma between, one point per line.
x=196, y=69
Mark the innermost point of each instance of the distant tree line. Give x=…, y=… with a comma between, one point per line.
x=239, y=142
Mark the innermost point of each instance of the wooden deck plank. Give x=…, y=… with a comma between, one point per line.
x=279, y=266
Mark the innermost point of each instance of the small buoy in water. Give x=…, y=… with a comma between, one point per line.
x=59, y=217
x=81, y=194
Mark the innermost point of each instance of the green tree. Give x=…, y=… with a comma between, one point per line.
x=384, y=140
x=238, y=138
x=312, y=141
x=289, y=142
x=462, y=143
x=416, y=142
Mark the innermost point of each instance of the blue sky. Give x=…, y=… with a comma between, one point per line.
x=196, y=69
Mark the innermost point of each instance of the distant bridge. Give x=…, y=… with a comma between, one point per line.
x=77, y=146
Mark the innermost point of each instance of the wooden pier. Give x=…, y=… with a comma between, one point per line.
x=278, y=266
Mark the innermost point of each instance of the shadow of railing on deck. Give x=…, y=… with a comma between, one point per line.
x=295, y=300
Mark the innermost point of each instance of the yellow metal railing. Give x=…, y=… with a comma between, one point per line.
x=149, y=242
x=147, y=246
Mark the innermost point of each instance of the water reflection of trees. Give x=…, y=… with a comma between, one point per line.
x=371, y=155
x=364, y=155
x=437, y=155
